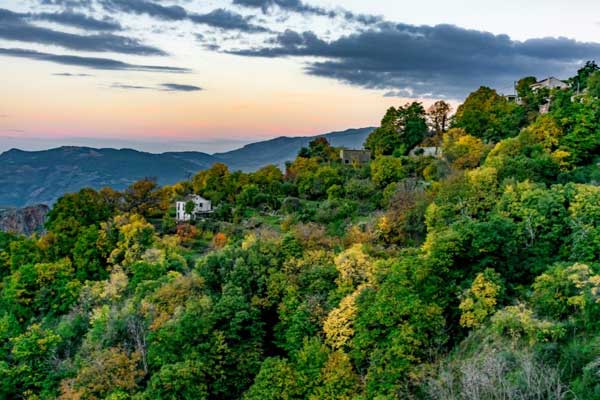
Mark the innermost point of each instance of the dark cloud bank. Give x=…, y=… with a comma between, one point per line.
x=219, y=18
x=88, y=62
x=79, y=20
x=427, y=60
x=16, y=27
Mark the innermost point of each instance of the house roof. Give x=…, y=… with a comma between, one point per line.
x=192, y=197
x=549, y=79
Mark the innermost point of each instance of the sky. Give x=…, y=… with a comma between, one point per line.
x=161, y=75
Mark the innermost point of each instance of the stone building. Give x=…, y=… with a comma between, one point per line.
x=355, y=156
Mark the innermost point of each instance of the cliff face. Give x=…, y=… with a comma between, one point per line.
x=23, y=220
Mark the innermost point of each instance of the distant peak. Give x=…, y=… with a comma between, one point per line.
x=14, y=150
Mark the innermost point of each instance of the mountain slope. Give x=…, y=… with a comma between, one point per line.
x=40, y=177
x=43, y=176
x=279, y=150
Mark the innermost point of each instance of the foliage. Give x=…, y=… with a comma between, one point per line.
x=386, y=170
x=472, y=275
x=462, y=150
x=401, y=129
x=488, y=116
x=439, y=116
x=480, y=301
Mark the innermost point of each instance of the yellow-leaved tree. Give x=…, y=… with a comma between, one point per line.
x=480, y=301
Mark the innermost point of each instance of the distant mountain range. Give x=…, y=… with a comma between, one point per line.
x=41, y=177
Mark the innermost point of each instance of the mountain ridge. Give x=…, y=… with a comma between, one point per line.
x=40, y=177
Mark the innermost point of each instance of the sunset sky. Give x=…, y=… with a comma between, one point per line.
x=211, y=75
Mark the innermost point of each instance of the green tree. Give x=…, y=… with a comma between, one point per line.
x=386, y=170
x=462, y=150
x=184, y=380
x=190, y=206
x=276, y=380
x=481, y=300
x=72, y=214
x=488, y=116
x=143, y=197
x=31, y=355
x=583, y=74
x=215, y=183
x=524, y=87
x=593, y=85
x=89, y=256
x=401, y=129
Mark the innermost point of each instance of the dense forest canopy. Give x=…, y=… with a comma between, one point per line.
x=474, y=274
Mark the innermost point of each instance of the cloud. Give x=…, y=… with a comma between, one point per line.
x=286, y=5
x=130, y=87
x=87, y=62
x=10, y=16
x=426, y=60
x=299, y=7
x=402, y=93
x=171, y=13
x=224, y=19
x=69, y=74
x=15, y=28
x=67, y=3
x=165, y=87
x=78, y=20
x=175, y=87
x=219, y=18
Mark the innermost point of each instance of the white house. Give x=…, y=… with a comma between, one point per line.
x=202, y=206
x=426, y=151
x=550, y=83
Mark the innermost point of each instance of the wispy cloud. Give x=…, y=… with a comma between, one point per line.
x=164, y=87
x=67, y=3
x=218, y=18
x=228, y=20
x=175, y=87
x=71, y=74
x=130, y=87
x=288, y=5
x=299, y=7
x=88, y=62
x=15, y=27
x=403, y=93
x=78, y=20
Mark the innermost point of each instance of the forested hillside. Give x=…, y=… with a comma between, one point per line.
x=41, y=177
x=471, y=275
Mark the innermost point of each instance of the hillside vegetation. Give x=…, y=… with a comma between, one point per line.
x=475, y=275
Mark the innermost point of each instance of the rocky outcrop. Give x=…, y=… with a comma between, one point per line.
x=24, y=221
